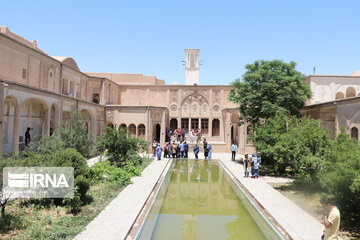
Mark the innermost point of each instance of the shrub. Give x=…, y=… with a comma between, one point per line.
x=73, y=204
x=132, y=169
x=136, y=160
x=82, y=185
x=104, y=172
x=70, y=158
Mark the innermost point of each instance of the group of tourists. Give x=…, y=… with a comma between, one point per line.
x=180, y=150
x=178, y=135
x=251, y=165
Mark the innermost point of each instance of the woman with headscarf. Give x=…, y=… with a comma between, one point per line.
x=158, y=152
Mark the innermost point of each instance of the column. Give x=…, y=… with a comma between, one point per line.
x=200, y=125
x=178, y=122
x=15, y=147
x=189, y=124
x=210, y=127
x=162, y=129
x=47, y=121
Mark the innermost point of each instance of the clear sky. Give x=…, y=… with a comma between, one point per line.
x=149, y=37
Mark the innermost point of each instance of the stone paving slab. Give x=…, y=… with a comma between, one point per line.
x=299, y=224
x=116, y=219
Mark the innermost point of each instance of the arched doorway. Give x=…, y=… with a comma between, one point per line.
x=173, y=124
x=355, y=133
x=87, y=118
x=157, y=134
x=33, y=115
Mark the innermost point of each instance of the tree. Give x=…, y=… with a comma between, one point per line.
x=268, y=88
x=118, y=146
x=290, y=141
x=340, y=175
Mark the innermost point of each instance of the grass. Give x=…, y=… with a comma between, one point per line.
x=309, y=200
x=27, y=220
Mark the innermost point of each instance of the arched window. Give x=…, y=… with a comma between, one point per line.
x=132, y=129
x=350, y=92
x=173, y=124
x=339, y=95
x=216, y=127
x=354, y=133
x=123, y=127
x=141, y=131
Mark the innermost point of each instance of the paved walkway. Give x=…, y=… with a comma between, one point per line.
x=297, y=223
x=117, y=218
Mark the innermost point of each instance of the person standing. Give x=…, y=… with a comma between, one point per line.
x=166, y=150
x=158, y=152
x=246, y=165
x=186, y=149
x=183, y=135
x=154, y=145
x=206, y=150
x=210, y=151
x=27, y=136
x=196, y=151
x=233, y=151
x=173, y=150
x=178, y=134
x=256, y=165
x=331, y=219
x=191, y=134
x=182, y=150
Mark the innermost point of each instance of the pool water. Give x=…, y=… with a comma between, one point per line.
x=197, y=201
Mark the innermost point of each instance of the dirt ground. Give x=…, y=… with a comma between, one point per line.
x=310, y=202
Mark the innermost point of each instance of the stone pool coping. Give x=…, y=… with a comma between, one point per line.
x=116, y=219
x=297, y=223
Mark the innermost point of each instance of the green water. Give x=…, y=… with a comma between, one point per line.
x=199, y=203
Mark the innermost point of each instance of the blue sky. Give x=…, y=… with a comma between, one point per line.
x=149, y=37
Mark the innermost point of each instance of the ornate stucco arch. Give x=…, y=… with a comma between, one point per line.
x=195, y=103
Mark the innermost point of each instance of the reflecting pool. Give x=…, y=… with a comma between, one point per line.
x=198, y=200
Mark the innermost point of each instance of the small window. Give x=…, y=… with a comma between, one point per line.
x=96, y=98
x=24, y=73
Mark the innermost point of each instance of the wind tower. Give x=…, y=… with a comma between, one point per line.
x=192, y=64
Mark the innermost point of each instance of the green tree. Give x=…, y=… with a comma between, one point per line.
x=340, y=175
x=119, y=146
x=268, y=88
x=290, y=141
